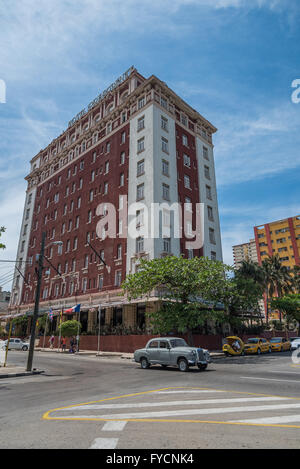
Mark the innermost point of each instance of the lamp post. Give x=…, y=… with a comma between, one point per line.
x=37, y=299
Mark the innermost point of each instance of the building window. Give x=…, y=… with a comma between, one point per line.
x=92, y=176
x=164, y=123
x=86, y=261
x=141, y=123
x=106, y=188
x=186, y=160
x=123, y=137
x=164, y=103
x=79, y=202
x=206, y=172
x=208, y=193
x=164, y=145
x=165, y=168
x=122, y=158
x=108, y=147
x=205, y=153
x=106, y=167
x=90, y=216
x=185, y=140
x=141, y=145
x=119, y=251
x=84, y=285
x=140, y=168
x=167, y=245
x=166, y=192
x=210, y=213
x=141, y=102
x=122, y=180
x=100, y=282
x=187, y=182
x=118, y=278
x=213, y=256
x=75, y=244
x=140, y=192
x=184, y=120
x=139, y=245
x=212, y=238
x=190, y=253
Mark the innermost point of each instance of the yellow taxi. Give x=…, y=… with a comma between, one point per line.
x=257, y=345
x=280, y=344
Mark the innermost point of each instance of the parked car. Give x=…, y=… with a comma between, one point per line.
x=172, y=352
x=280, y=344
x=2, y=344
x=17, y=344
x=258, y=345
x=295, y=344
x=291, y=339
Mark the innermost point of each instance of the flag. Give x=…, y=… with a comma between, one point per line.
x=75, y=309
x=50, y=314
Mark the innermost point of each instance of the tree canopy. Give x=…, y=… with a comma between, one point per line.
x=2, y=230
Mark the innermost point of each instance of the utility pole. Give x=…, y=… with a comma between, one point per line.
x=37, y=302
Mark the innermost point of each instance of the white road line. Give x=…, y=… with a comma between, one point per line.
x=114, y=426
x=188, y=392
x=193, y=412
x=105, y=443
x=271, y=420
x=174, y=403
x=270, y=379
x=285, y=372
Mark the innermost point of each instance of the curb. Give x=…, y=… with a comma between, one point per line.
x=17, y=375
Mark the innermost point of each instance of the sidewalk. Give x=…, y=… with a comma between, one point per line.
x=128, y=356
x=16, y=371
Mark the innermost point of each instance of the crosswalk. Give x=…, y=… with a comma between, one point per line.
x=186, y=405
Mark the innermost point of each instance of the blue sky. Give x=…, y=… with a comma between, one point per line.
x=232, y=60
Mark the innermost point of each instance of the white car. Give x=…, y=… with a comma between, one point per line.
x=17, y=344
x=295, y=344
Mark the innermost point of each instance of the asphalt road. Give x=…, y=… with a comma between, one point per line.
x=83, y=402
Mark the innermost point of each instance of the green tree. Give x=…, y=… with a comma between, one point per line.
x=278, y=280
x=189, y=290
x=2, y=230
x=70, y=328
x=290, y=306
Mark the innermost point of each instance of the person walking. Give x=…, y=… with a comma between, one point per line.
x=72, y=344
x=51, y=342
x=63, y=344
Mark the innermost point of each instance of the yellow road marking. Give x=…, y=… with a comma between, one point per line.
x=47, y=416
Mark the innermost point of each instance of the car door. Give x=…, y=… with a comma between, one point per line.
x=18, y=344
x=153, y=351
x=264, y=345
x=12, y=345
x=164, y=352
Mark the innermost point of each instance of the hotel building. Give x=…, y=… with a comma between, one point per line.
x=136, y=145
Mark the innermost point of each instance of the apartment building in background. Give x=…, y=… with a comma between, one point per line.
x=280, y=237
x=136, y=143
x=244, y=252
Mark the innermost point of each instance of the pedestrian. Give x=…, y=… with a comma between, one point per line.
x=72, y=343
x=63, y=344
x=51, y=342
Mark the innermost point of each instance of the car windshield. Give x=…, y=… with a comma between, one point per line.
x=178, y=343
x=253, y=341
x=276, y=339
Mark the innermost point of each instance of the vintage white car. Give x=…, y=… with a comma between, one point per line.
x=166, y=351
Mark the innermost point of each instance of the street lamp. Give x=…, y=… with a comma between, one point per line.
x=37, y=297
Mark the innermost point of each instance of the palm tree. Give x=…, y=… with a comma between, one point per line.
x=277, y=279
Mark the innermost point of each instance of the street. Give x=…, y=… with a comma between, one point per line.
x=84, y=402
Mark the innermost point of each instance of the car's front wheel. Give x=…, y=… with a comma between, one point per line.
x=144, y=363
x=183, y=365
x=25, y=348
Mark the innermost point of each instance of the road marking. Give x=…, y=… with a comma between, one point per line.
x=177, y=403
x=105, y=443
x=114, y=426
x=271, y=420
x=285, y=372
x=270, y=379
x=190, y=391
x=171, y=413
